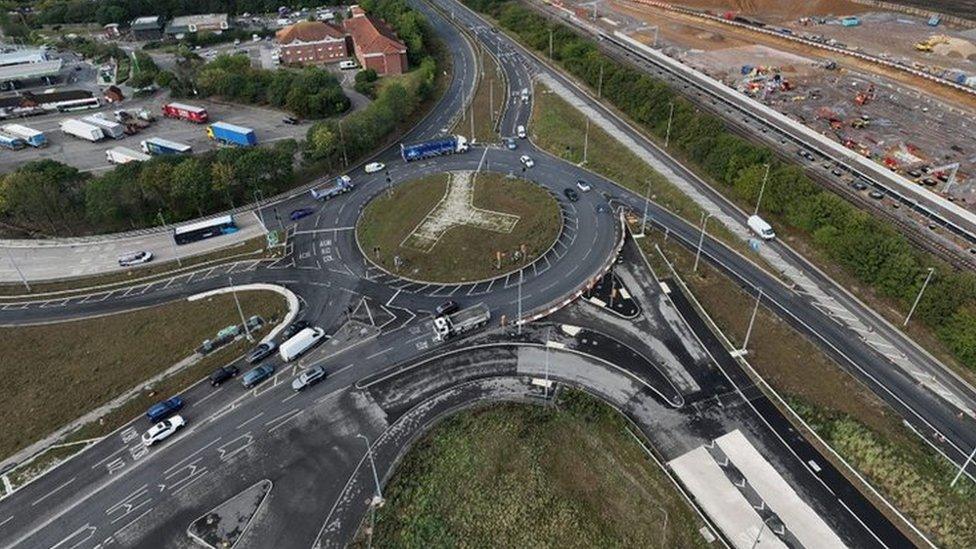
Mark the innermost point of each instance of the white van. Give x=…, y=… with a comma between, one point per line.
x=348, y=64
x=299, y=343
x=762, y=229
x=520, y=131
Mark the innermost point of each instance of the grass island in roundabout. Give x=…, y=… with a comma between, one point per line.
x=458, y=227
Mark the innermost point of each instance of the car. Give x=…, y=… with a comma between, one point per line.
x=837, y=172
x=311, y=376
x=291, y=120
x=583, y=185
x=162, y=410
x=163, y=430
x=300, y=213
x=876, y=194
x=571, y=195
x=520, y=131
x=859, y=185
x=447, y=308
x=135, y=258
x=293, y=329
x=257, y=375
x=261, y=352
x=374, y=167
x=526, y=161
x=222, y=374
x=510, y=144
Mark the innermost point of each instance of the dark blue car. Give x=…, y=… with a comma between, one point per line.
x=257, y=375
x=300, y=213
x=162, y=410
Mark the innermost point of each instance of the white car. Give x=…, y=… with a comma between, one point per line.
x=163, y=430
x=135, y=258
x=583, y=185
x=526, y=161
x=374, y=167
x=520, y=131
x=309, y=377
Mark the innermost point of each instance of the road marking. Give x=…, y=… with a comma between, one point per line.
x=225, y=455
x=198, y=477
x=289, y=397
x=259, y=414
x=187, y=458
x=283, y=418
x=10, y=518
x=131, y=522
x=394, y=297
x=52, y=492
x=212, y=394
x=87, y=528
x=376, y=354
x=103, y=460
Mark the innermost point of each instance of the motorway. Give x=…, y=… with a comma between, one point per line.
x=117, y=493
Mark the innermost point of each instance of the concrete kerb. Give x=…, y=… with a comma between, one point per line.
x=767, y=388
x=290, y=297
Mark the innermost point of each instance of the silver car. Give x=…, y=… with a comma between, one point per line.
x=308, y=377
x=135, y=258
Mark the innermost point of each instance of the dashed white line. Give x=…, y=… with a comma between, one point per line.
x=52, y=492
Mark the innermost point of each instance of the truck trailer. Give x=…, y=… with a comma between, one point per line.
x=230, y=134
x=299, y=343
x=109, y=128
x=158, y=145
x=32, y=137
x=123, y=155
x=465, y=320
x=435, y=147
x=11, y=142
x=333, y=188
x=182, y=111
x=82, y=130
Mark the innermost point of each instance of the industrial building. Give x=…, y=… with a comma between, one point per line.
x=21, y=65
x=147, y=28
x=311, y=42
x=179, y=27
x=376, y=46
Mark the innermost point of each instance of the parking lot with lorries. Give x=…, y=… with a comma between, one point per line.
x=84, y=155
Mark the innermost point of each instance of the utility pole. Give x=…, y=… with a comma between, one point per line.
x=378, y=498
x=173, y=243
x=342, y=145
x=919, y=297
x=550, y=44
x=963, y=468
x=647, y=203
x=667, y=136
x=752, y=319
x=256, y=193
x=701, y=239
x=599, y=87
x=491, y=102
x=548, y=336
x=761, y=189
x=240, y=311
x=586, y=140
x=17, y=268
x=520, y=303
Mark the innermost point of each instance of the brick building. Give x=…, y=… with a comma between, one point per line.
x=376, y=46
x=311, y=42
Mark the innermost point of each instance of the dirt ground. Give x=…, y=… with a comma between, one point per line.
x=778, y=10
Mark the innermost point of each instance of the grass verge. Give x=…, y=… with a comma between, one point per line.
x=55, y=373
x=463, y=253
x=864, y=430
x=511, y=475
x=489, y=97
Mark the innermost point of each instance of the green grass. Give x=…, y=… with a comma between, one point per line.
x=515, y=475
x=490, y=93
x=463, y=253
x=55, y=373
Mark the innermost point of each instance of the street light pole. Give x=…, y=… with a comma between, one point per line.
x=256, y=193
x=342, y=144
x=17, y=268
x=240, y=311
x=752, y=319
x=599, y=87
x=175, y=253
x=701, y=240
x=586, y=140
x=378, y=498
x=647, y=202
x=761, y=189
x=919, y=296
x=550, y=44
x=520, y=303
x=548, y=335
x=667, y=136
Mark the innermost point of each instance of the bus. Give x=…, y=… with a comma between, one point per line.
x=204, y=229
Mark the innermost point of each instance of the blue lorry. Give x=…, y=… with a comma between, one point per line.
x=158, y=145
x=435, y=147
x=11, y=142
x=333, y=188
x=231, y=134
x=32, y=137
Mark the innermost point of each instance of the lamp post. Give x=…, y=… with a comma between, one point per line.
x=175, y=253
x=919, y=296
x=752, y=319
x=233, y=290
x=17, y=268
x=667, y=136
x=378, y=497
x=762, y=188
x=701, y=240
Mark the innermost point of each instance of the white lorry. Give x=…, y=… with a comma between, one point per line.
x=299, y=343
x=759, y=226
x=465, y=320
x=82, y=130
x=109, y=127
x=123, y=155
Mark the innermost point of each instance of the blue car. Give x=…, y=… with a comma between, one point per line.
x=162, y=410
x=257, y=375
x=510, y=144
x=300, y=213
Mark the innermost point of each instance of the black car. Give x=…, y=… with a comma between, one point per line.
x=222, y=374
x=293, y=329
x=261, y=352
x=859, y=185
x=876, y=194
x=290, y=120
x=446, y=308
x=571, y=195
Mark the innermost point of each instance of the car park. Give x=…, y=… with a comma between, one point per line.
x=520, y=132
x=261, y=352
x=447, y=308
x=162, y=410
x=293, y=329
x=510, y=144
x=583, y=185
x=135, y=258
x=526, y=161
x=163, y=430
x=374, y=167
x=571, y=194
x=300, y=213
x=311, y=376
x=222, y=374
x=257, y=375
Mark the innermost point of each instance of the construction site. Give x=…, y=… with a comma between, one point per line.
x=908, y=103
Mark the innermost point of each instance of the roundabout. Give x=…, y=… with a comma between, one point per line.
x=459, y=227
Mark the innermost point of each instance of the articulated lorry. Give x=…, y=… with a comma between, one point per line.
x=230, y=134
x=123, y=155
x=158, y=145
x=32, y=137
x=465, y=320
x=182, y=111
x=435, y=147
x=109, y=128
x=82, y=130
x=333, y=188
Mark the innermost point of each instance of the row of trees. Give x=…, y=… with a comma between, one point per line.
x=54, y=199
x=310, y=92
x=870, y=249
x=121, y=11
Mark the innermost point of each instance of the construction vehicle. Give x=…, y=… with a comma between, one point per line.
x=332, y=188
x=465, y=320
x=931, y=42
x=863, y=97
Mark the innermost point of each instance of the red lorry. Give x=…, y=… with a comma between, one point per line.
x=183, y=111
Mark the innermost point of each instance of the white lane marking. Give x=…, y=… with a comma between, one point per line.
x=187, y=458
x=289, y=397
x=52, y=492
x=284, y=418
x=131, y=522
x=378, y=353
x=10, y=518
x=259, y=414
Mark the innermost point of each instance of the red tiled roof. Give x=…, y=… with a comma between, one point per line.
x=308, y=31
x=371, y=35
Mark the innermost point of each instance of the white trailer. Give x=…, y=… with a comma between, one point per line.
x=109, y=128
x=82, y=130
x=299, y=343
x=123, y=155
